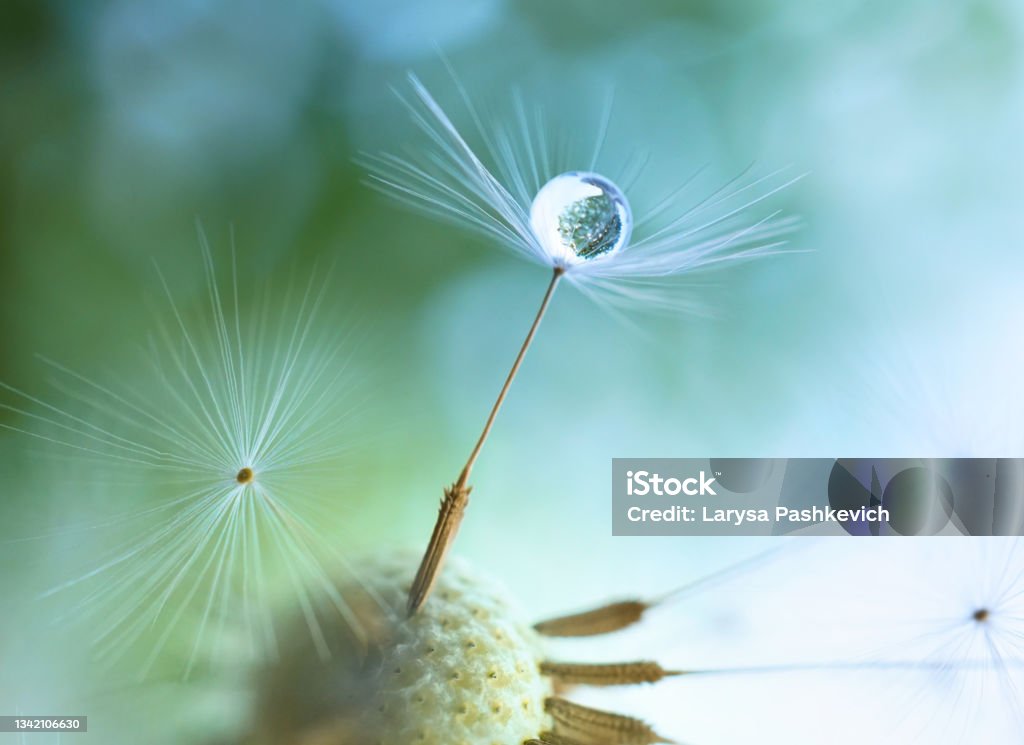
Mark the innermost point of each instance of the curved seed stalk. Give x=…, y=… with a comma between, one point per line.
x=456, y=497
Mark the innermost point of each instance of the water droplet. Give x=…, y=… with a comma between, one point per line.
x=580, y=216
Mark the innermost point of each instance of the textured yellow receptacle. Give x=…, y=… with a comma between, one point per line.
x=463, y=671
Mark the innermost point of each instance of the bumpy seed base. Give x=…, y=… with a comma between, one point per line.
x=463, y=671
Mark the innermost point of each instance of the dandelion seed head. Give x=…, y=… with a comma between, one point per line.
x=466, y=668
x=981, y=615
x=581, y=216
x=245, y=475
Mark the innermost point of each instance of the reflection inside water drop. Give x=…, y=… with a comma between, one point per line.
x=581, y=216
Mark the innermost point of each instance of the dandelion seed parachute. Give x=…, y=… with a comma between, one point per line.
x=217, y=447
x=968, y=626
x=576, y=222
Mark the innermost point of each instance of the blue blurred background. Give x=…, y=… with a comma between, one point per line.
x=896, y=333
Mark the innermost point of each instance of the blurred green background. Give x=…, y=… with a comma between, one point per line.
x=122, y=123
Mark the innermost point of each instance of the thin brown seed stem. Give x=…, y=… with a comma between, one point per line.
x=456, y=497
x=471, y=461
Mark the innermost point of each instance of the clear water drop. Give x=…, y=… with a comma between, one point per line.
x=580, y=216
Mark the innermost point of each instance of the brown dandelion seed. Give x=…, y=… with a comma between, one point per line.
x=595, y=725
x=551, y=738
x=981, y=615
x=245, y=475
x=607, y=674
x=602, y=620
